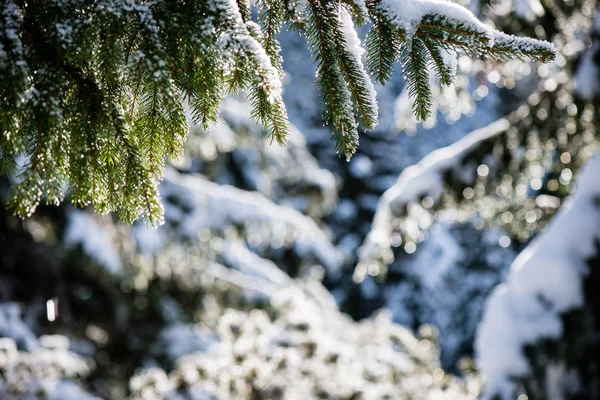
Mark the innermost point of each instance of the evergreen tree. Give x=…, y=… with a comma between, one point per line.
x=539, y=336
x=94, y=93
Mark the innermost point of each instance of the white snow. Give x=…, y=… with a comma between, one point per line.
x=237, y=41
x=422, y=179
x=12, y=326
x=13, y=18
x=237, y=255
x=266, y=168
x=146, y=378
x=407, y=14
x=450, y=59
x=44, y=372
x=65, y=33
x=355, y=48
x=304, y=348
x=178, y=340
x=362, y=7
x=216, y=206
x=68, y=390
x=95, y=241
x=432, y=266
x=545, y=280
x=522, y=44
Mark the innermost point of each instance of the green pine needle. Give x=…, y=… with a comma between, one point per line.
x=96, y=105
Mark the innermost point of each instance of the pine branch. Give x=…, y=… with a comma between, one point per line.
x=255, y=70
x=336, y=96
x=104, y=108
x=358, y=9
x=271, y=18
x=383, y=47
x=207, y=93
x=445, y=30
x=351, y=65
x=413, y=58
x=508, y=47
x=445, y=72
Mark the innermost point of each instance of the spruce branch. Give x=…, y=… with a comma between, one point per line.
x=382, y=49
x=438, y=27
x=94, y=93
x=337, y=102
x=271, y=18
x=445, y=72
x=361, y=87
x=244, y=7
x=206, y=93
x=508, y=47
x=413, y=58
x=358, y=10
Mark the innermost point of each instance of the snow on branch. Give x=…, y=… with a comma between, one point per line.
x=489, y=177
x=423, y=180
x=407, y=15
x=546, y=280
x=50, y=370
x=425, y=30
x=302, y=348
x=104, y=108
x=454, y=26
x=270, y=170
x=194, y=204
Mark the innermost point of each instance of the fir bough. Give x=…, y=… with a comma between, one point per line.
x=93, y=93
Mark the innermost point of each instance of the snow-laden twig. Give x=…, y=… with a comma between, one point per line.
x=215, y=207
x=425, y=179
x=408, y=14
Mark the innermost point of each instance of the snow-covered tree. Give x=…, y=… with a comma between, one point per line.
x=539, y=333
x=224, y=300
x=95, y=92
x=514, y=175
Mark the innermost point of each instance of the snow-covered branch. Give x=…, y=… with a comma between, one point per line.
x=545, y=282
x=423, y=180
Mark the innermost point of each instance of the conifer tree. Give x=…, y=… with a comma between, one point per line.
x=93, y=95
